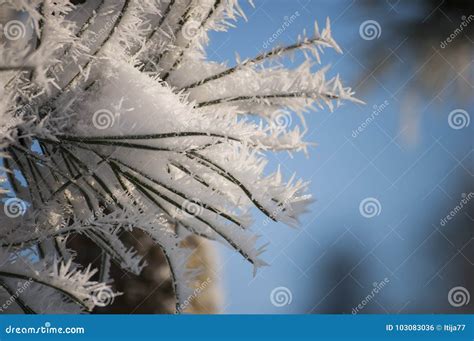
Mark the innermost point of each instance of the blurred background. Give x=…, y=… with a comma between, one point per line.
x=385, y=176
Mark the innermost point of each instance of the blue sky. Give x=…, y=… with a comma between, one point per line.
x=414, y=176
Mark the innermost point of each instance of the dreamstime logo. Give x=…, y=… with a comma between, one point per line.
x=378, y=286
x=199, y=13
x=458, y=296
x=14, y=30
x=14, y=207
x=13, y=298
x=287, y=21
x=104, y=297
x=192, y=207
x=281, y=119
x=200, y=289
x=281, y=296
x=191, y=29
x=103, y=119
x=370, y=207
x=47, y=328
x=274, y=213
x=105, y=28
x=458, y=31
x=459, y=119
x=370, y=30
x=377, y=110
x=465, y=198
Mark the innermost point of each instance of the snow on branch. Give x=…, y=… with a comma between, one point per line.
x=112, y=119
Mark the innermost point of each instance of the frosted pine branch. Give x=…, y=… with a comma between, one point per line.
x=112, y=120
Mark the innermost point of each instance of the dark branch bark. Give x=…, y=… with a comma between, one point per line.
x=258, y=59
x=178, y=60
x=300, y=94
x=155, y=61
x=23, y=306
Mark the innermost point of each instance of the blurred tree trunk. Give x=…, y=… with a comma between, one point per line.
x=152, y=291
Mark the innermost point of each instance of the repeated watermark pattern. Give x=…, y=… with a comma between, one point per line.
x=14, y=297
x=197, y=291
x=459, y=119
x=462, y=203
x=459, y=30
x=377, y=110
x=281, y=119
x=370, y=30
x=13, y=30
x=459, y=296
x=287, y=22
x=104, y=297
x=281, y=296
x=104, y=119
x=274, y=213
x=14, y=207
x=191, y=208
x=103, y=30
x=138, y=203
x=191, y=29
x=370, y=207
x=378, y=286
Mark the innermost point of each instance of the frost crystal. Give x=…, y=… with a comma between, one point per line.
x=112, y=119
